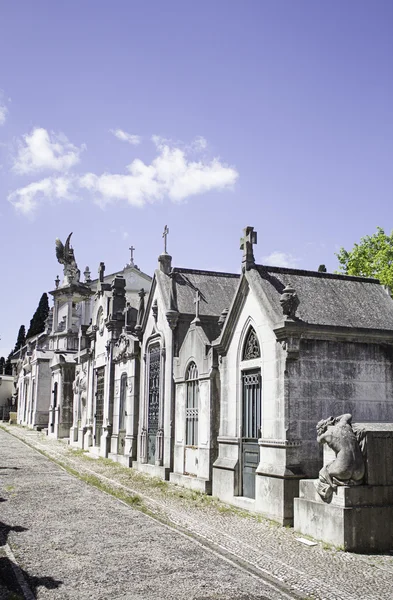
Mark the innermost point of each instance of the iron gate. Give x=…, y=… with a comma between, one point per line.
x=154, y=402
x=251, y=396
x=99, y=412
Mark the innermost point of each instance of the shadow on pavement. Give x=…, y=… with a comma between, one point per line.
x=11, y=574
x=13, y=468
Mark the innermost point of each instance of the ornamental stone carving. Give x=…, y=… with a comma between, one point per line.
x=65, y=256
x=348, y=467
x=122, y=349
x=289, y=302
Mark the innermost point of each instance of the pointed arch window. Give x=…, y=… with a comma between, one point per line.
x=251, y=347
x=192, y=405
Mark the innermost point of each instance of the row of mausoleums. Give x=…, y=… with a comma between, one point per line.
x=213, y=380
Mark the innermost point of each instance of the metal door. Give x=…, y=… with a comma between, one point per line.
x=154, y=403
x=251, y=425
x=99, y=411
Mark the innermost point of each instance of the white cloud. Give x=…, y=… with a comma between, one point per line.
x=199, y=144
x=27, y=199
x=42, y=150
x=132, y=139
x=280, y=259
x=170, y=175
x=3, y=113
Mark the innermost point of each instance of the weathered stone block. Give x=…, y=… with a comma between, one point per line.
x=353, y=525
x=379, y=452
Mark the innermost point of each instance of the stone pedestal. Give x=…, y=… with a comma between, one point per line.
x=358, y=518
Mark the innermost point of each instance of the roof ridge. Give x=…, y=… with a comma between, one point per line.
x=317, y=274
x=204, y=272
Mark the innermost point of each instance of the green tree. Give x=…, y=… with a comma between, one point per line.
x=322, y=269
x=8, y=365
x=372, y=257
x=21, y=339
x=2, y=365
x=37, y=323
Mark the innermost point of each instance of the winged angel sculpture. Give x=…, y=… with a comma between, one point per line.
x=65, y=256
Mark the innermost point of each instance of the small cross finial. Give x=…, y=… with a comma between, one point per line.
x=246, y=244
x=165, y=235
x=197, y=300
x=131, y=249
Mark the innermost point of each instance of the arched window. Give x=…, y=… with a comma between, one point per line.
x=122, y=402
x=251, y=346
x=192, y=405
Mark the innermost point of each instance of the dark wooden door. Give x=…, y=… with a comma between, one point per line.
x=251, y=397
x=99, y=409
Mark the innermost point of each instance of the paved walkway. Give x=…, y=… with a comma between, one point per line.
x=82, y=543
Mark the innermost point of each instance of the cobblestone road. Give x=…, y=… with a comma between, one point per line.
x=71, y=540
x=259, y=546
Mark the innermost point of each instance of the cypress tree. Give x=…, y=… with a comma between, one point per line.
x=8, y=365
x=37, y=323
x=21, y=339
x=2, y=365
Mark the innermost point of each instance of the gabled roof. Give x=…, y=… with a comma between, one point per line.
x=330, y=299
x=216, y=290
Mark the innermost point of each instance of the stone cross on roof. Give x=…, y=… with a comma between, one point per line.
x=131, y=249
x=246, y=244
x=196, y=302
x=164, y=235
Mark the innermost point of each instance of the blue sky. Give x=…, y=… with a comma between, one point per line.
x=117, y=118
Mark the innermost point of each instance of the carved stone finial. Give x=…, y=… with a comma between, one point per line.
x=172, y=316
x=154, y=310
x=289, y=302
x=57, y=281
x=246, y=244
x=101, y=272
x=65, y=256
x=141, y=312
x=87, y=275
x=348, y=467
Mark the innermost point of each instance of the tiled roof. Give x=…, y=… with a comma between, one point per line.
x=216, y=290
x=329, y=299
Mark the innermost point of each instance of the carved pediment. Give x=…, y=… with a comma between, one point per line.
x=123, y=348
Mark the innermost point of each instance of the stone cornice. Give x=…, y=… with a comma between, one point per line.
x=296, y=329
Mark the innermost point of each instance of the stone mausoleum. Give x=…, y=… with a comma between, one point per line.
x=213, y=380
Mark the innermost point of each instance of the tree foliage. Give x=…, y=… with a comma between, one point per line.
x=2, y=365
x=21, y=339
x=37, y=323
x=322, y=269
x=372, y=257
x=8, y=365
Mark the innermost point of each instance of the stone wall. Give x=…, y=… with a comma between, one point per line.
x=333, y=378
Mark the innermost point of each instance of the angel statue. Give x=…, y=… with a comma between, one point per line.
x=65, y=256
x=348, y=467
